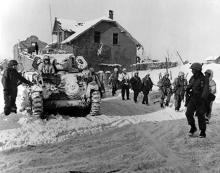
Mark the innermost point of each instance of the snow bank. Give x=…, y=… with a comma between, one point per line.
x=36, y=132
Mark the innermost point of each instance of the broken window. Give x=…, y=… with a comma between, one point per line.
x=115, y=38
x=97, y=37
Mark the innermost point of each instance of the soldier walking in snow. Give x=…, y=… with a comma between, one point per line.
x=147, y=85
x=198, y=87
x=211, y=96
x=179, y=84
x=10, y=81
x=113, y=80
x=165, y=88
x=125, y=82
x=136, y=85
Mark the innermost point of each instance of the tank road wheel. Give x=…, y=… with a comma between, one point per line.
x=37, y=103
x=95, y=103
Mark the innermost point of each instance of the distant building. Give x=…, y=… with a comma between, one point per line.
x=213, y=59
x=100, y=41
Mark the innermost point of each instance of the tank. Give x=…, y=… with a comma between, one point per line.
x=71, y=90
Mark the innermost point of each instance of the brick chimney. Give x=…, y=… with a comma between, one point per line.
x=110, y=14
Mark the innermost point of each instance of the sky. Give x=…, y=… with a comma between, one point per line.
x=162, y=26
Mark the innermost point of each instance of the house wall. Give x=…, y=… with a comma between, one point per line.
x=217, y=61
x=124, y=53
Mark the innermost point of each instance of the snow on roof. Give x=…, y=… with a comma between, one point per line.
x=68, y=25
x=211, y=58
x=83, y=27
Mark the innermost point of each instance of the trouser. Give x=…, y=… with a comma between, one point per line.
x=145, y=98
x=10, y=105
x=114, y=89
x=163, y=95
x=125, y=89
x=198, y=107
x=135, y=95
x=209, y=111
x=178, y=100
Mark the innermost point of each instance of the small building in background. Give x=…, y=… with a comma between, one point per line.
x=213, y=59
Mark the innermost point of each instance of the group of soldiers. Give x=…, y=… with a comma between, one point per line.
x=198, y=93
x=125, y=82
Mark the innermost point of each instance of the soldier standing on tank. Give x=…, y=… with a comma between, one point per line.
x=198, y=88
x=10, y=82
x=179, y=84
x=46, y=67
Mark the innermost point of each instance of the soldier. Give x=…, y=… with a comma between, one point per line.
x=136, y=85
x=46, y=67
x=92, y=76
x=179, y=84
x=198, y=87
x=113, y=80
x=165, y=88
x=125, y=82
x=147, y=85
x=212, y=92
x=10, y=81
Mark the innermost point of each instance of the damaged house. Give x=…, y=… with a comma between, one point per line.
x=27, y=47
x=102, y=42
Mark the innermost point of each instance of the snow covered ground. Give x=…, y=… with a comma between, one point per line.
x=35, y=131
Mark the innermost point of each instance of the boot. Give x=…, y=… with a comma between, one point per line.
x=192, y=130
x=202, y=134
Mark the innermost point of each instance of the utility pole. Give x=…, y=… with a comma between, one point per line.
x=180, y=57
x=166, y=64
x=51, y=29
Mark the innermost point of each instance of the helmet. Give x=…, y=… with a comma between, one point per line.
x=136, y=72
x=91, y=70
x=12, y=63
x=115, y=69
x=166, y=74
x=181, y=73
x=196, y=66
x=46, y=57
x=209, y=71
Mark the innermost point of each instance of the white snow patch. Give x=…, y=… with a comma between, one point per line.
x=36, y=132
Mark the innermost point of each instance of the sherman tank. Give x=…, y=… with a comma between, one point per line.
x=72, y=90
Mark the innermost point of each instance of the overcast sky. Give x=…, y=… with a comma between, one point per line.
x=190, y=26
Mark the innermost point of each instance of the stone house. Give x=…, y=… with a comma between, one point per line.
x=100, y=41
